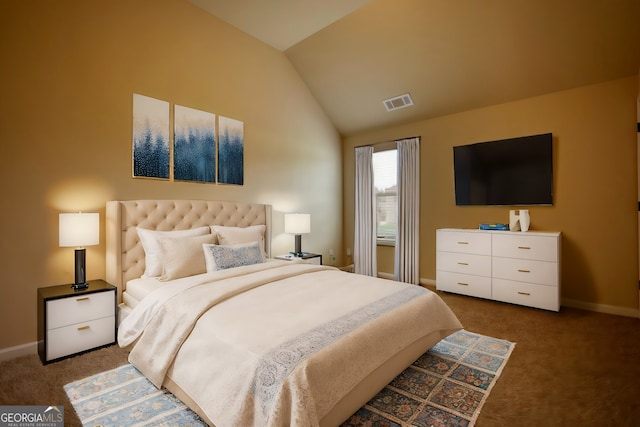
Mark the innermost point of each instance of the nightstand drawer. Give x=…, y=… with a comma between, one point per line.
x=315, y=260
x=80, y=337
x=540, y=296
x=479, y=265
x=79, y=308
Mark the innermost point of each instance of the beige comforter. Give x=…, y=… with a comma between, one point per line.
x=277, y=344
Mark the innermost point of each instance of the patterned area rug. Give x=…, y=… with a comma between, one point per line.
x=446, y=386
x=124, y=397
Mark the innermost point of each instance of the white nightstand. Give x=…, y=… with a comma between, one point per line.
x=74, y=321
x=308, y=258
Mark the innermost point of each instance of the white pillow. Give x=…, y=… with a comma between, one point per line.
x=237, y=235
x=219, y=257
x=182, y=257
x=149, y=240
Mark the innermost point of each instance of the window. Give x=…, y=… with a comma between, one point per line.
x=385, y=176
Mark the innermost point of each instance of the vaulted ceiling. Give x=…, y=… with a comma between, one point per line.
x=451, y=56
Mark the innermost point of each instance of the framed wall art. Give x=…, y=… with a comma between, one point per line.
x=151, y=143
x=194, y=152
x=230, y=151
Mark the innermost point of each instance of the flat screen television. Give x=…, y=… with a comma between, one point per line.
x=516, y=171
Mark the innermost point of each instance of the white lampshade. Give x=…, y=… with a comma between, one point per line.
x=79, y=229
x=297, y=223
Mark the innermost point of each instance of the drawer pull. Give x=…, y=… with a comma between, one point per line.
x=524, y=293
x=84, y=328
x=463, y=243
x=82, y=299
x=463, y=284
x=463, y=263
x=523, y=271
x=524, y=247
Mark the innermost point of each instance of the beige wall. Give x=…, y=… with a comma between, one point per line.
x=69, y=71
x=595, y=184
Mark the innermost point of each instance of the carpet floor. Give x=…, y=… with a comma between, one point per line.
x=446, y=386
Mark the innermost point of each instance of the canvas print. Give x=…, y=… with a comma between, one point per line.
x=194, y=152
x=230, y=151
x=151, y=149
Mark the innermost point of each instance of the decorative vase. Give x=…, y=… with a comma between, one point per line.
x=514, y=221
x=525, y=219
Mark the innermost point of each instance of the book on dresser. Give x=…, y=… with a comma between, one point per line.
x=515, y=267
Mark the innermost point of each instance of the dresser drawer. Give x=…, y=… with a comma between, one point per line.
x=539, y=296
x=479, y=265
x=464, y=242
x=80, y=308
x=80, y=337
x=523, y=270
x=521, y=245
x=475, y=286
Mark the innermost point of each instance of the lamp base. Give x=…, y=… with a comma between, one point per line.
x=80, y=270
x=298, y=251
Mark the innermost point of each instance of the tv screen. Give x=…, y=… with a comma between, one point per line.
x=516, y=171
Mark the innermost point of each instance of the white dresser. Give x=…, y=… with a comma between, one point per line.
x=515, y=267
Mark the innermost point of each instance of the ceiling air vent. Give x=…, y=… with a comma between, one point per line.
x=398, y=102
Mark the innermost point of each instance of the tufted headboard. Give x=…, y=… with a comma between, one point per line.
x=125, y=256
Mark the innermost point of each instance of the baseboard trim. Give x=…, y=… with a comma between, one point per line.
x=601, y=308
x=384, y=275
x=427, y=282
x=18, y=351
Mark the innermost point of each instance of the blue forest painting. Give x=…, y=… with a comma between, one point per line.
x=194, y=153
x=151, y=149
x=230, y=151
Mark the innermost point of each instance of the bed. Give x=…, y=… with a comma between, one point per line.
x=250, y=340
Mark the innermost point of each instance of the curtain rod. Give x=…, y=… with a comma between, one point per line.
x=388, y=142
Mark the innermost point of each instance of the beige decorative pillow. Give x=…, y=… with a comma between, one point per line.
x=237, y=235
x=149, y=240
x=182, y=257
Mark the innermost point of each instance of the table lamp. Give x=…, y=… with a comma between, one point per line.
x=298, y=224
x=79, y=230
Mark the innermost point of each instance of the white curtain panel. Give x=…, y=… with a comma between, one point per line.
x=364, y=246
x=407, y=257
